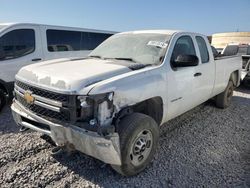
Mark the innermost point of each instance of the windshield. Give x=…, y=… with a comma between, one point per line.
x=144, y=48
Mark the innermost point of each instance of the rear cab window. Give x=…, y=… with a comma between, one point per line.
x=17, y=43
x=203, y=49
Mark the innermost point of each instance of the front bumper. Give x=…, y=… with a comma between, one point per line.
x=90, y=143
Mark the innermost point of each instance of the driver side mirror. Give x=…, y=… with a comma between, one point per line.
x=186, y=61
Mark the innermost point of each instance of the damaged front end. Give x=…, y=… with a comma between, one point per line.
x=88, y=126
x=98, y=111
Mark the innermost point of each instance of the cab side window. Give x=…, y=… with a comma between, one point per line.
x=17, y=43
x=184, y=46
x=203, y=49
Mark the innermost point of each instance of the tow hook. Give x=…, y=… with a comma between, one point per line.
x=23, y=129
x=57, y=150
x=48, y=139
x=67, y=149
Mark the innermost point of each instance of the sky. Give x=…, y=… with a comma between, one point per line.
x=203, y=16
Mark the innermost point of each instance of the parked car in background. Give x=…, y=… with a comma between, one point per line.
x=111, y=104
x=243, y=50
x=219, y=50
x=235, y=49
x=22, y=44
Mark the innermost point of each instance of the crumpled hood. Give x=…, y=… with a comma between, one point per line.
x=70, y=75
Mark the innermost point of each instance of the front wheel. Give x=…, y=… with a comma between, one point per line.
x=139, y=135
x=223, y=100
x=2, y=99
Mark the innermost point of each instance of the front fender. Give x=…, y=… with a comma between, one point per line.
x=134, y=87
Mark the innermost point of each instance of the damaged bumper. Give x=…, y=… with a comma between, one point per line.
x=106, y=149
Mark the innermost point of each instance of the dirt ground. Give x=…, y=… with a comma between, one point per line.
x=206, y=147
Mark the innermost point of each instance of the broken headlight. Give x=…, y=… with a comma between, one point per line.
x=96, y=109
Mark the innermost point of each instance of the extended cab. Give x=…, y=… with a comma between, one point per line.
x=110, y=105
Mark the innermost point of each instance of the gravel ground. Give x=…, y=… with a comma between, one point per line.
x=206, y=147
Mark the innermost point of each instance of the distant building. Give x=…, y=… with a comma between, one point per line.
x=220, y=40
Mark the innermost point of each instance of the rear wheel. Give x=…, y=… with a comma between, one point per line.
x=223, y=100
x=246, y=82
x=139, y=136
x=2, y=99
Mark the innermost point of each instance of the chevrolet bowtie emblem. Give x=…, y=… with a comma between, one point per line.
x=28, y=97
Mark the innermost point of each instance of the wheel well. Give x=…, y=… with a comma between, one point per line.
x=235, y=78
x=152, y=107
x=2, y=87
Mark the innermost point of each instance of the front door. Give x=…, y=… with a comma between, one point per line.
x=181, y=80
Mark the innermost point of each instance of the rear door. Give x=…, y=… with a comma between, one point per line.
x=20, y=45
x=205, y=71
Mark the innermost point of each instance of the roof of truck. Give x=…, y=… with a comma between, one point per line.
x=168, y=32
x=7, y=24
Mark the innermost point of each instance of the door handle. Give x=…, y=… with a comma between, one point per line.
x=36, y=59
x=197, y=74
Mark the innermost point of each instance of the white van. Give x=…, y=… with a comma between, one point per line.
x=22, y=44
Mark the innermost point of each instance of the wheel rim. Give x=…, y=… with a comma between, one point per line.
x=141, y=147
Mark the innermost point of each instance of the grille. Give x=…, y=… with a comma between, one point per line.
x=44, y=112
x=43, y=93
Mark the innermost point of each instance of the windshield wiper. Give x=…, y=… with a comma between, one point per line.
x=96, y=56
x=123, y=58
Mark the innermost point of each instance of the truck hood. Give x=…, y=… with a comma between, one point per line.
x=70, y=75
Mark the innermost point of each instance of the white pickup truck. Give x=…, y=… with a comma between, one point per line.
x=110, y=105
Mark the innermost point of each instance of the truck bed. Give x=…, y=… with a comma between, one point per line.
x=235, y=60
x=225, y=57
x=224, y=67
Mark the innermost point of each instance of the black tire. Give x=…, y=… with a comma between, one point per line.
x=246, y=82
x=129, y=130
x=223, y=100
x=2, y=99
x=248, y=65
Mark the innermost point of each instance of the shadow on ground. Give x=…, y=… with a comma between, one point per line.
x=7, y=124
